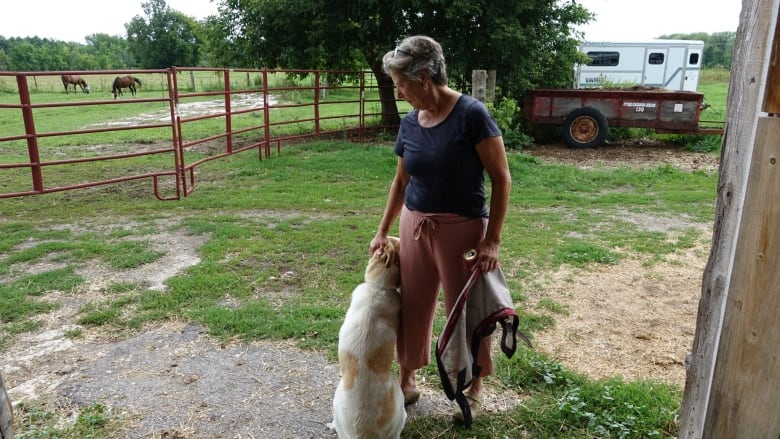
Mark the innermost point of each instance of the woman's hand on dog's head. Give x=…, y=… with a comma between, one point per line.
x=377, y=245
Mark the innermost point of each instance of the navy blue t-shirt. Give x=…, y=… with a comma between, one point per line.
x=447, y=175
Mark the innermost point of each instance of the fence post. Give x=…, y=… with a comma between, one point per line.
x=491, y=85
x=29, y=129
x=479, y=84
x=6, y=413
x=317, y=80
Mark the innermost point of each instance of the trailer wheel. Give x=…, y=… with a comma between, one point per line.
x=585, y=127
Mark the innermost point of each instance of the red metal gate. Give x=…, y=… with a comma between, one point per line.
x=246, y=103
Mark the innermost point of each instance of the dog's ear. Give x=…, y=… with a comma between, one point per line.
x=388, y=255
x=396, y=243
x=392, y=251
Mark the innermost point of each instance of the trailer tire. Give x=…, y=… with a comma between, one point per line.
x=585, y=127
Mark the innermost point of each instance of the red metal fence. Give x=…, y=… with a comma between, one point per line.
x=246, y=103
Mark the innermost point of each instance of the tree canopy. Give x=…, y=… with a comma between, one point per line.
x=718, y=47
x=164, y=38
x=102, y=51
x=528, y=43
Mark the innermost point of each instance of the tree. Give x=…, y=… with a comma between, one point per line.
x=21, y=54
x=718, y=50
x=32, y=54
x=110, y=52
x=528, y=42
x=164, y=38
x=718, y=47
x=5, y=62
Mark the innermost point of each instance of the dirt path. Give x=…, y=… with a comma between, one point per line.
x=174, y=381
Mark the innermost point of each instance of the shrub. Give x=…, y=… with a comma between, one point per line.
x=509, y=119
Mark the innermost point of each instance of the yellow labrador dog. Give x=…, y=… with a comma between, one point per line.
x=368, y=401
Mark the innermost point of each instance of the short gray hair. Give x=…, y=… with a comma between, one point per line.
x=415, y=55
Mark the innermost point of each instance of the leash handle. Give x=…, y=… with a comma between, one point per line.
x=471, y=256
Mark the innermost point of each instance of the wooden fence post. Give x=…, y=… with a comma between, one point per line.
x=6, y=413
x=479, y=84
x=491, y=86
x=734, y=369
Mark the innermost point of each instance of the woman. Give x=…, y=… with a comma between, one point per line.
x=444, y=146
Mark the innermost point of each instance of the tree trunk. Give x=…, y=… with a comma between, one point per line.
x=390, y=115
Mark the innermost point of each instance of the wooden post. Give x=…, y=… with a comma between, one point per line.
x=733, y=379
x=491, y=86
x=6, y=413
x=192, y=80
x=745, y=395
x=772, y=95
x=323, y=87
x=479, y=84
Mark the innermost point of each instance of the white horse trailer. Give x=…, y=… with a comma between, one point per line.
x=668, y=64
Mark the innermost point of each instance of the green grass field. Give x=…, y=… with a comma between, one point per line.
x=326, y=199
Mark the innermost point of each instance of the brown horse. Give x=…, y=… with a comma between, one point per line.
x=75, y=80
x=121, y=82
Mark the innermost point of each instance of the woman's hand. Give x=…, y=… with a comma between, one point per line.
x=487, y=256
x=377, y=245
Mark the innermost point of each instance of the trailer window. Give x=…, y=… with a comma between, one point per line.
x=693, y=59
x=656, y=58
x=604, y=58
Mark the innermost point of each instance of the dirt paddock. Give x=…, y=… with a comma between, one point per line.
x=174, y=381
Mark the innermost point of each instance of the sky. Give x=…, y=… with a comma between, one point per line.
x=631, y=20
x=67, y=20
x=616, y=20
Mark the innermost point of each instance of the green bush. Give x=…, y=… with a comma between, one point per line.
x=509, y=118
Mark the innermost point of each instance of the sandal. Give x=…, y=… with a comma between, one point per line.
x=411, y=397
x=475, y=404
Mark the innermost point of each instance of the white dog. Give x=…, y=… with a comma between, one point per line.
x=368, y=401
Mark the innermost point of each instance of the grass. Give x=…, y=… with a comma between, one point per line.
x=40, y=422
x=313, y=210
x=562, y=404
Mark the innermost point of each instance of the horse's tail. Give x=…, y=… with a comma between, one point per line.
x=138, y=81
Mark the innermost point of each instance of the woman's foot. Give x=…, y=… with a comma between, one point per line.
x=411, y=396
x=409, y=386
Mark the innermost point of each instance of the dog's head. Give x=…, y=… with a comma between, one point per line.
x=385, y=269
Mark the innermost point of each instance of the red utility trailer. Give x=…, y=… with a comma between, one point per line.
x=585, y=115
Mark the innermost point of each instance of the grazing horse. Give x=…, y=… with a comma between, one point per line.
x=75, y=80
x=121, y=82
